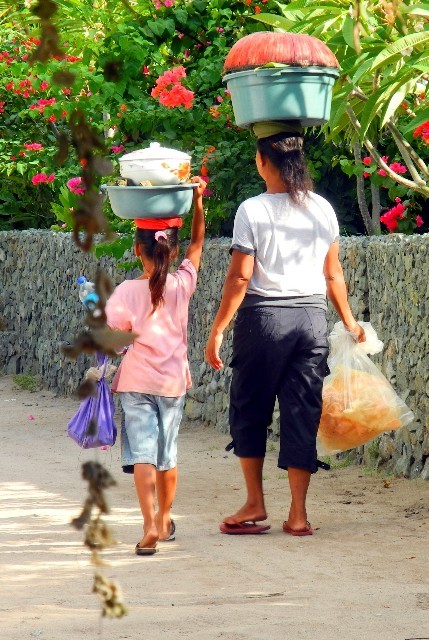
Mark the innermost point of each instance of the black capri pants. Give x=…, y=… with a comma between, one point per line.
x=278, y=352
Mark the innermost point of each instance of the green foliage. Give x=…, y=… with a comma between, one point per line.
x=117, y=52
x=27, y=381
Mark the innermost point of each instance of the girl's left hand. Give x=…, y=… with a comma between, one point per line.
x=214, y=344
x=199, y=191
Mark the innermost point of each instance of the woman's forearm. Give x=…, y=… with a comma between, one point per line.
x=234, y=291
x=337, y=293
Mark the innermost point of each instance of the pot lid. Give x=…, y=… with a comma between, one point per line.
x=155, y=152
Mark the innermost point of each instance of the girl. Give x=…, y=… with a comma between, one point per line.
x=284, y=262
x=154, y=375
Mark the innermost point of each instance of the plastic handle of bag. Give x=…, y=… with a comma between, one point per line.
x=102, y=362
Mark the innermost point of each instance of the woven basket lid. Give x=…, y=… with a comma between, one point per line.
x=262, y=47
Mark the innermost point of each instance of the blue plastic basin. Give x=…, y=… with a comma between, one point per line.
x=166, y=201
x=287, y=93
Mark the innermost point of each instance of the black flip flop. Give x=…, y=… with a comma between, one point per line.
x=145, y=551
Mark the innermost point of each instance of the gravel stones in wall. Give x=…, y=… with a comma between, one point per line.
x=40, y=306
x=398, y=288
x=387, y=283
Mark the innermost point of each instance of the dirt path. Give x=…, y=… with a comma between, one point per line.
x=363, y=575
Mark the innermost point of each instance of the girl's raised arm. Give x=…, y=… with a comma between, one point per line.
x=198, y=225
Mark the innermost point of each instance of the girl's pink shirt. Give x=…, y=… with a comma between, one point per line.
x=157, y=361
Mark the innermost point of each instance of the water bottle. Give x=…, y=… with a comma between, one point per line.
x=87, y=294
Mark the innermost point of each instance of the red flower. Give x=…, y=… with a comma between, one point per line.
x=42, y=177
x=367, y=160
x=391, y=217
x=33, y=146
x=419, y=221
x=422, y=132
x=397, y=167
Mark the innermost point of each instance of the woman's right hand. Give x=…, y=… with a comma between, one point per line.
x=214, y=344
x=357, y=331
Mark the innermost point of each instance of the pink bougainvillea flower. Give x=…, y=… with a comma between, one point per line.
x=419, y=221
x=117, y=149
x=42, y=177
x=33, y=146
x=389, y=221
x=44, y=85
x=366, y=174
x=367, y=160
x=391, y=217
x=169, y=90
x=76, y=185
x=382, y=172
x=397, y=167
x=145, y=70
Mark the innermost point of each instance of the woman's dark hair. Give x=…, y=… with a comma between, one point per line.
x=285, y=151
x=160, y=251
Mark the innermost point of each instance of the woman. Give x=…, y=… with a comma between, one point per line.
x=284, y=261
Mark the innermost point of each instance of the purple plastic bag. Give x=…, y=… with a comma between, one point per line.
x=99, y=409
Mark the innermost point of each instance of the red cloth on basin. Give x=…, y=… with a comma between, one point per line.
x=158, y=224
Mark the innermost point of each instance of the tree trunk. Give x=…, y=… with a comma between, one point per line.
x=363, y=206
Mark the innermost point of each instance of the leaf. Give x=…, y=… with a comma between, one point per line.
x=399, y=46
x=396, y=100
x=416, y=10
x=348, y=31
x=379, y=98
x=278, y=22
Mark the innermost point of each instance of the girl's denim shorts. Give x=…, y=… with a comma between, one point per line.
x=150, y=426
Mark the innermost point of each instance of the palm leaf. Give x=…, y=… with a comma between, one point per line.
x=396, y=48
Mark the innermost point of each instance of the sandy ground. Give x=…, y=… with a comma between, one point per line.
x=364, y=574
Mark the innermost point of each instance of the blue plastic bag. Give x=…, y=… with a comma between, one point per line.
x=93, y=425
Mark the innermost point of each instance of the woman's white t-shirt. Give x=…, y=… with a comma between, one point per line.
x=289, y=243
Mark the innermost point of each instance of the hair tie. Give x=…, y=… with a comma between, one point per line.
x=160, y=234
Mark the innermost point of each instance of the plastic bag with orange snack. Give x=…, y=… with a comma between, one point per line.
x=358, y=401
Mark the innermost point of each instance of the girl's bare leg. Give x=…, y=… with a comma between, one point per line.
x=166, y=483
x=254, y=507
x=144, y=480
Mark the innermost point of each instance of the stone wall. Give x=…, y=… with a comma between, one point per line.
x=387, y=282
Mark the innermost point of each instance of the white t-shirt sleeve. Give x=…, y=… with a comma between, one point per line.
x=243, y=238
x=333, y=223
